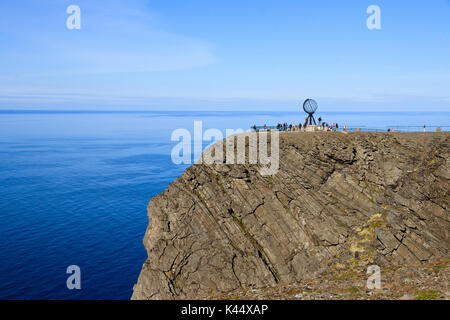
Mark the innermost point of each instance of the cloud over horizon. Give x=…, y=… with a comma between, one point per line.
x=159, y=53
x=115, y=36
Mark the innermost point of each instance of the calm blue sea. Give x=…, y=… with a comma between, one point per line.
x=74, y=187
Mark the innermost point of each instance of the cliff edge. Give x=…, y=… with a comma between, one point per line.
x=338, y=203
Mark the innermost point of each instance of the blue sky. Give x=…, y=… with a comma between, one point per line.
x=217, y=55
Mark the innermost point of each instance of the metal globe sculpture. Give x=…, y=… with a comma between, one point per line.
x=310, y=106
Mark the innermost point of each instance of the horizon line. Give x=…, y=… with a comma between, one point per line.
x=199, y=110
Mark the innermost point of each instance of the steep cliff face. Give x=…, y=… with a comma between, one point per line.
x=338, y=203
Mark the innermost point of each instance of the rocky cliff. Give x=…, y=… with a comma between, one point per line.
x=339, y=203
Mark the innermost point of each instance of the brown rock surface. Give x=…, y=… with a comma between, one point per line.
x=338, y=203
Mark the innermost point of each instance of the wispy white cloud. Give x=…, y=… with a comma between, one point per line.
x=115, y=36
x=141, y=52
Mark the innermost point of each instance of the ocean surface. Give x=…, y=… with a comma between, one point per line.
x=74, y=187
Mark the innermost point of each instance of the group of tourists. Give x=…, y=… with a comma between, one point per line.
x=323, y=126
x=330, y=127
x=285, y=127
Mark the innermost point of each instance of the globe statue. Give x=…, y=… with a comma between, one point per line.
x=310, y=106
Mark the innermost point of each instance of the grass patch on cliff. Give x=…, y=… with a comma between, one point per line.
x=427, y=294
x=439, y=267
x=199, y=195
x=360, y=249
x=363, y=242
x=352, y=290
x=345, y=275
x=214, y=176
x=256, y=245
